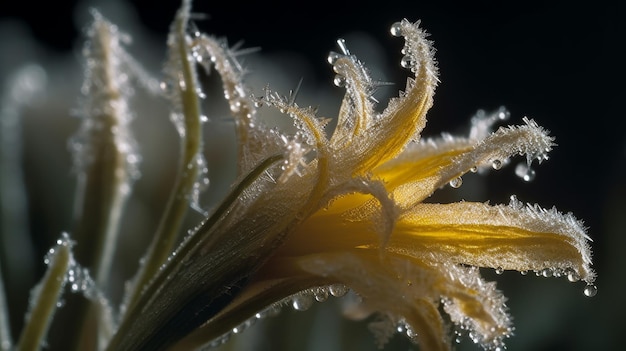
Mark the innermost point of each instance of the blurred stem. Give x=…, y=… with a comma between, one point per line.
x=45, y=298
x=5, y=327
x=22, y=88
x=104, y=176
x=177, y=206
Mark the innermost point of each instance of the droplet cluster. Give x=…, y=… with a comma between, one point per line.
x=302, y=301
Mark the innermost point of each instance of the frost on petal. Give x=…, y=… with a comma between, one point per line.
x=255, y=140
x=375, y=138
x=513, y=236
x=427, y=166
x=407, y=293
x=357, y=110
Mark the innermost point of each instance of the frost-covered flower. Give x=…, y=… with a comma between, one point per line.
x=324, y=210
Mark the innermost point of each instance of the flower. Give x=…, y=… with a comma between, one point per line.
x=315, y=212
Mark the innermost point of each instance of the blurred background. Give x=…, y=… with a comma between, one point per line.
x=560, y=64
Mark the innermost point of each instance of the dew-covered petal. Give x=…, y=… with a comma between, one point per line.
x=403, y=119
x=408, y=292
x=357, y=111
x=426, y=166
x=515, y=236
x=254, y=140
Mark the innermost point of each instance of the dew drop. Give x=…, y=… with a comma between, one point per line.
x=339, y=81
x=302, y=302
x=338, y=290
x=496, y=164
x=258, y=103
x=321, y=294
x=474, y=169
x=456, y=182
x=396, y=29
x=590, y=290
x=546, y=272
x=573, y=276
x=523, y=272
x=410, y=333
x=499, y=270
x=333, y=57
x=406, y=62
x=165, y=87
x=503, y=113
x=525, y=172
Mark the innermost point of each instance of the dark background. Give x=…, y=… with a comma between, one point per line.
x=559, y=63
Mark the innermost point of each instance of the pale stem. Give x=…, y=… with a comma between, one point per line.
x=177, y=206
x=45, y=299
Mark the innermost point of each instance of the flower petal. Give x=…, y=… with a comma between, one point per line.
x=387, y=134
x=513, y=237
x=425, y=167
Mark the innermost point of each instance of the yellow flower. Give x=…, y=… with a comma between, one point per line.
x=315, y=213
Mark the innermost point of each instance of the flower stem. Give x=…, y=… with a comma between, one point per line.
x=169, y=227
x=45, y=299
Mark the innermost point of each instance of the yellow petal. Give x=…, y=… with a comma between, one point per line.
x=513, y=237
x=423, y=168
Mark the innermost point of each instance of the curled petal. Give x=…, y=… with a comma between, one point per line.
x=404, y=117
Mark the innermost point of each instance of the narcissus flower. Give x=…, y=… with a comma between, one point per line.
x=312, y=213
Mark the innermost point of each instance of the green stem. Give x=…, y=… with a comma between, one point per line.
x=177, y=206
x=195, y=242
x=45, y=300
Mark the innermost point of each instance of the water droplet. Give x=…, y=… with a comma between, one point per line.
x=339, y=81
x=338, y=290
x=333, y=57
x=496, y=164
x=302, y=302
x=406, y=62
x=474, y=169
x=396, y=29
x=590, y=290
x=204, y=118
x=456, y=182
x=410, y=333
x=546, y=272
x=503, y=113
x=573, y=276
x=499, y=270
x=525, y=172
x=165, y=87
x=523, y=272
x=321, y=294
